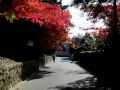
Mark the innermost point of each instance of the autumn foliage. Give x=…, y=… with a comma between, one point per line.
x=50, y=16
x=101, y=33
x=103, y=11
x=42, y=13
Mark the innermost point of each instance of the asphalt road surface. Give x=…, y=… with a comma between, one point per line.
x=61, y=75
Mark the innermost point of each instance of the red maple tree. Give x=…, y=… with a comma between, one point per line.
x=51, y=16
x=104, y=11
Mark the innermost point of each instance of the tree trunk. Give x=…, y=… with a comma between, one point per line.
x=115, y=29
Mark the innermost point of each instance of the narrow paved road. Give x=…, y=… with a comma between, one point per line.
x=56, y=76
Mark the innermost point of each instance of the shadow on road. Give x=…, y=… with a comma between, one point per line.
x=40, y=74
x=85, y=84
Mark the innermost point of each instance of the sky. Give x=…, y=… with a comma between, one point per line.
x=79, y=19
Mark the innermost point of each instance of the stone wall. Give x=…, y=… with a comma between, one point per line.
x=12, y=72
x=48, y=59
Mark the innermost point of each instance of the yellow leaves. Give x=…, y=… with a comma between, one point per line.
x=6, y=12
x=10, y=16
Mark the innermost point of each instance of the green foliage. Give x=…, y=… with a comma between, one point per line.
x=10, y=16
x=88, y=38
x=89, y=42
x=6, y=11
x=100, y=43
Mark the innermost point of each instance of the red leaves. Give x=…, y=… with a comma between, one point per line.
x=42, y=13
x=51, y=16
x=100, y=32
x=105, y=12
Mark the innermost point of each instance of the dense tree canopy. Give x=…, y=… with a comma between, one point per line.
x=48, y=20
x=110, y=17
